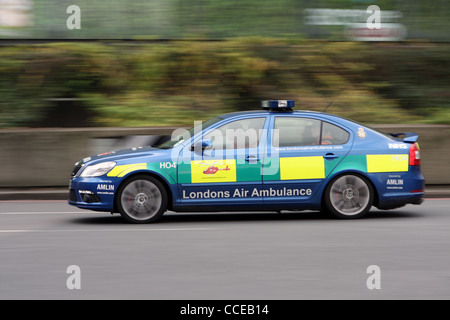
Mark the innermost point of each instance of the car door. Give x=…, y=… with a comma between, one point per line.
x=301, y=153
x=229, y=171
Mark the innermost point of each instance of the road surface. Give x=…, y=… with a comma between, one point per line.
x=287, y=256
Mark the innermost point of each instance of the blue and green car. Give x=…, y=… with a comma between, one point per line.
x=266, y=160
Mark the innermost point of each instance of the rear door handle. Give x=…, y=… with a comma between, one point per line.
x=251, y=158
x=330, y=156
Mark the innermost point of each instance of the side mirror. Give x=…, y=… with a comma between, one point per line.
x=207, y=144
x=203, y=145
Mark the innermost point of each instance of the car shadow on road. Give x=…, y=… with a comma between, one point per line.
x=388, y=214
x=171, y=217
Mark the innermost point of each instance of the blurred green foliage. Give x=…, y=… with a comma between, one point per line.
x=175, y=83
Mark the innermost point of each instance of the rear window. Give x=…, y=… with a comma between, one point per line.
x=388, y=135
x=333, y=135
x=299, y=131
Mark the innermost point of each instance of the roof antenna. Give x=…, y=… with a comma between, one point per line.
x=331, y=102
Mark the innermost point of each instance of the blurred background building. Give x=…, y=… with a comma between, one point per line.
x=216, y=19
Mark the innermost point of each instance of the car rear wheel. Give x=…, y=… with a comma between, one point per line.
x=349, y=196
x=142, y=199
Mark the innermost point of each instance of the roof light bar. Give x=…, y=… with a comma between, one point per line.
x=278, y=104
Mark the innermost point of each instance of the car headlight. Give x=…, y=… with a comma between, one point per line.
x=98, y=169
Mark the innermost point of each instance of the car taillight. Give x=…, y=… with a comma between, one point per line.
x=414, y=155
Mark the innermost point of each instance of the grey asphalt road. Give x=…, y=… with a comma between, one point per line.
x=287, y=256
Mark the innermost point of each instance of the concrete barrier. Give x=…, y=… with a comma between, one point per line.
x=45, y=157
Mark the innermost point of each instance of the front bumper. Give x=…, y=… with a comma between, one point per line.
x=93, y=193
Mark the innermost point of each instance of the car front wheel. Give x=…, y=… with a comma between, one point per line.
x=142, y=199
x=349, y=196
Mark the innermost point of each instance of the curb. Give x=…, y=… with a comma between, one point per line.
x=437, y=192
x=35, y=194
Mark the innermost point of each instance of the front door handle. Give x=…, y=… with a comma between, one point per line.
x=330, y=156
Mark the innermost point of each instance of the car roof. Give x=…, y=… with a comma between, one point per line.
x=293, y=112
x=323, y=115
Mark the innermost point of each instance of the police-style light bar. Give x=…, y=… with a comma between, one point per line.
x=278, y=104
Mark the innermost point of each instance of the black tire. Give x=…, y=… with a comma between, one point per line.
x=349, y=196
x=141, y=199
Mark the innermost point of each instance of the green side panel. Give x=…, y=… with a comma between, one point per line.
x=330, y=165
x=271, y=169
x=184, y=172
x=169, y=172
x=353, y=162
x=248, y=171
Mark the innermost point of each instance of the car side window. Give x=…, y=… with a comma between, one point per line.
x=239, y=134
x=296, y=131
x=292, y=131
x=333, y=135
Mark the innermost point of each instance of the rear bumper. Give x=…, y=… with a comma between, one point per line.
x=399, y=200
x=398, y=189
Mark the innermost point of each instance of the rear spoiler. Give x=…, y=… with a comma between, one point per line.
x=410, y=137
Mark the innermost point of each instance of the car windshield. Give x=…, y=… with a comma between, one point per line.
x=180, y=139
x=389, y=135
